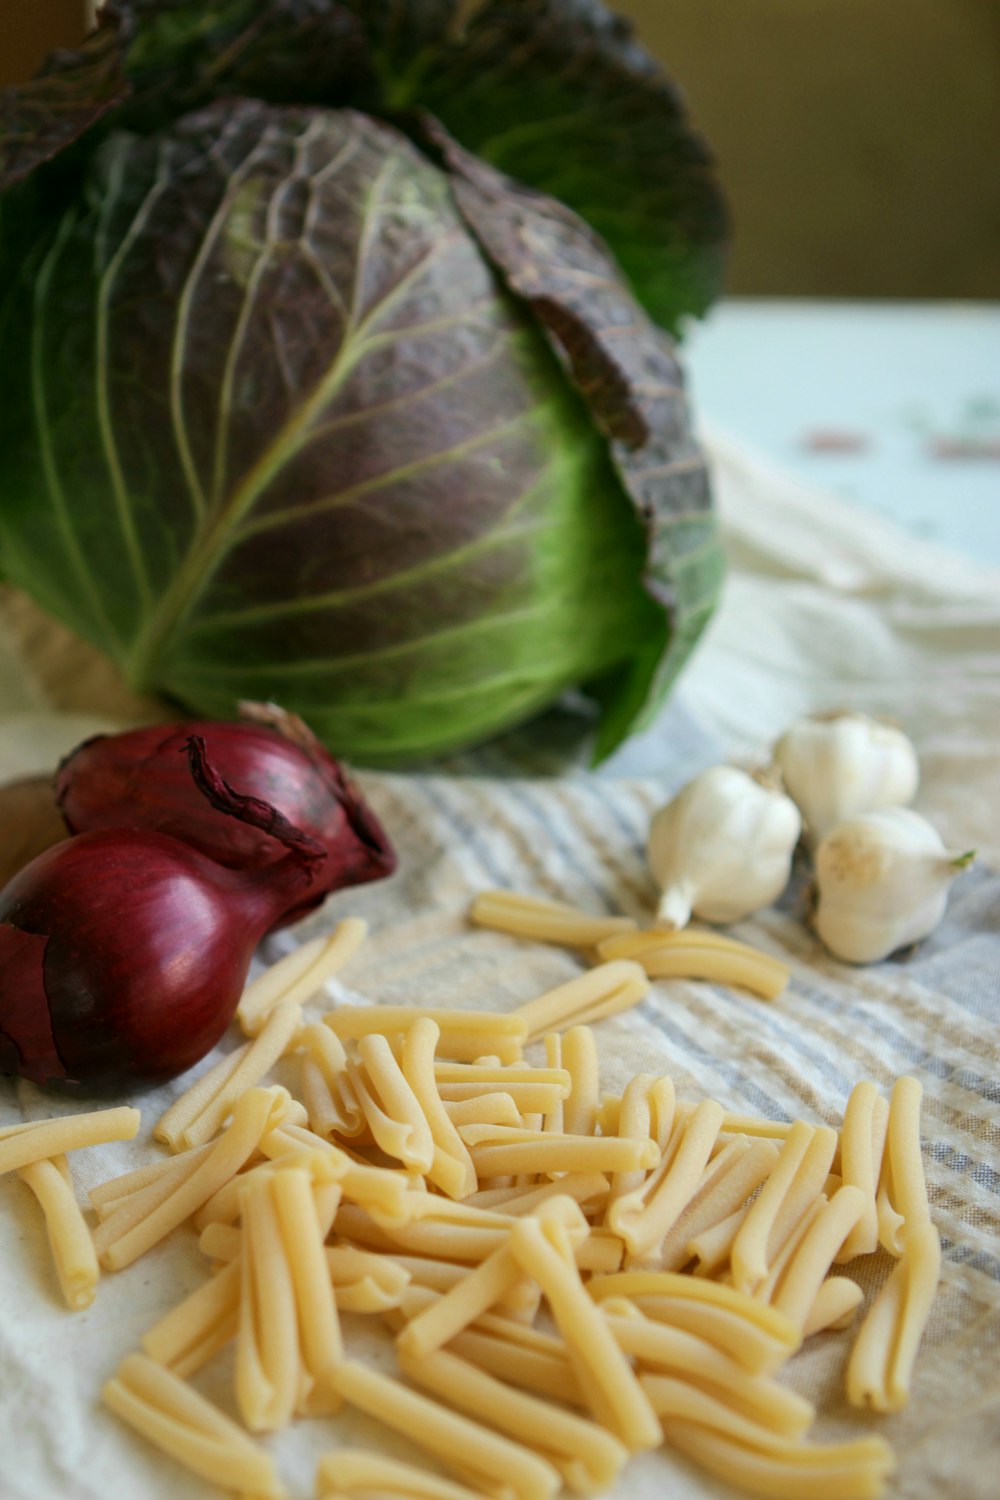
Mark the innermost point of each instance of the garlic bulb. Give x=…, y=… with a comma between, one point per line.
x=836, y=765
x=722, y=848
x=882, y=880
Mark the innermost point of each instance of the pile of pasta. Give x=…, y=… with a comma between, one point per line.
x=570, y=1277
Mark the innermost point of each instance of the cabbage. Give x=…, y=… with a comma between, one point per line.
x=304, y=399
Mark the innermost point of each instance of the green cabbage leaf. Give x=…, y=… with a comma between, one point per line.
x=298, y=402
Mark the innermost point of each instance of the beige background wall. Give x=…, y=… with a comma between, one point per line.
x=859, y=139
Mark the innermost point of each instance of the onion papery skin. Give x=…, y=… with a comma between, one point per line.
x=140, y=948
x=141, y=779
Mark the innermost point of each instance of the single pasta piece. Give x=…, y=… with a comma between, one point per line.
x=463, y=1445
x=797, y=1290
x=461, y=1305
x=268, y=1372
x=465, y=1034
x=881, y=1364
x=810, y=1180
x=605, y=991
x=588, y=1188
x=486, y=1109
x=167, y=1412
x=278, y=1031
x=660, y=1348
x=760, y=1337
x=771, y=1130
x=890, y=1223
x=686, y=955
x=442, y=1240
x=862, y=1141
x=365, y=1283
x=579, y=1055
x=107, y=1196
x=185, y=1109
x=545, y=921
x=834, y=1305
x=69, y=1237
x=389, y=1105
x=302, y=1236
x=588, y=1457
x=644, y=1218
x=673, y=1398
x=497, y=1150
x=749, y=1255
x=909, y=1188
x=330, y=1101
x=635, y=1123
x=188, y=1335
x=451, y=1166
x=351, y=1471
x=42, y=1140
x=821, y=1473
x=544, y=1252
x=300, y=974
x=530, y=1369
x=552, y=1118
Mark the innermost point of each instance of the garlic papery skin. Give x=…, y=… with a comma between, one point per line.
x=836, y=765
x=882, y=881
x=722, y=848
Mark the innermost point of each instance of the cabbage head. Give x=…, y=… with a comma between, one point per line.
x=318, y=382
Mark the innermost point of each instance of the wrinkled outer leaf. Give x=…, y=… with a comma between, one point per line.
x=626, y=370
x=184, y=53
x=272, y=429
x=40, y=119
x=558, y=94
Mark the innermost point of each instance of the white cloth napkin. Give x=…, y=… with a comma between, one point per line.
x=825, y=606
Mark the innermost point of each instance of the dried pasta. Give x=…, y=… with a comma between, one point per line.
x=256, y=1113
x=159, y=1406
x=617, y=1397
x=69, y=1238
x=465, y=1034
x=822, y=1473
x=351, y=1471
x=277, y=1032
x=545, y=921
x=456, y=1440
x=605, y=991
x=588, y=1457
x=298, y=976
x=44, y=1139
x=862, y=1141
x=435, y=1179
x=880, y=1368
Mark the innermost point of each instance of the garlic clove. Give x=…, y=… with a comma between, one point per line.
x=722, y=848
x=882, y=881
x=836, y=765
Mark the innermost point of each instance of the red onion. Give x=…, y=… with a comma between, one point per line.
x=124, y=953
x=138, y=780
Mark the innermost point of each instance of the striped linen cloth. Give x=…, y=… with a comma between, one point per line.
x=816, y=615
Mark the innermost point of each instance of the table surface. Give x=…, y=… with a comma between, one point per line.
x=894, y=406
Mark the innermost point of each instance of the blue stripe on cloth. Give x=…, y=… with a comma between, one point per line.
x=524, y=799
x=968, y=1255
x=913, y=1052
x=466, y=830
x=981, y=1173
